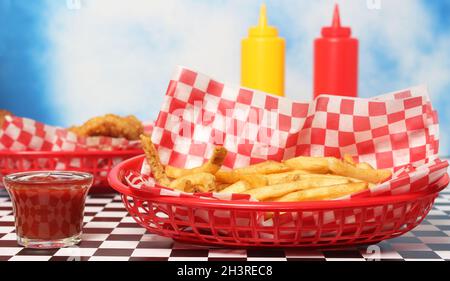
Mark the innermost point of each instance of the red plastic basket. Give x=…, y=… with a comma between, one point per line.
x=98, y=163
x=156, y=214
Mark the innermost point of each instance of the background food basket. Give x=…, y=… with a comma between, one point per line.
x=241, y=223
x=98, y=163
x=29, y=145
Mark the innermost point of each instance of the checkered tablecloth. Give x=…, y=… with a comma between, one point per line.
x=111, y=234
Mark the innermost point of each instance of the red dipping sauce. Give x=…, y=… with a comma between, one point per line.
x=48, y=207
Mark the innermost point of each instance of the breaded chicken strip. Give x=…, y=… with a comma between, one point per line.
x=111, y=125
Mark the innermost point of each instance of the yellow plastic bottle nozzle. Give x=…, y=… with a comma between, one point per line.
x=263, y=58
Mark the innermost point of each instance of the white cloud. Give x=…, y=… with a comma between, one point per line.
x=118, y=56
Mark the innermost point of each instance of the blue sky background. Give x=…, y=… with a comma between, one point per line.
x=63, y=61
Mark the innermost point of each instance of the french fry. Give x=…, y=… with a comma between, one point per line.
x=265, y=192
x=211, y=166
x=254, y=180
x=348, y=159
x=374, y=176
x=286, y=177
x=365, y=166
x=267, y=167
x=203, y=182
x=298, y=179
x=221, y=186
x=313, y=164
x=188, y=187
x=153, y=160
x=323, y=193
x=297, y=175
x=231, y=177
x=237, y=187
x=328, y=176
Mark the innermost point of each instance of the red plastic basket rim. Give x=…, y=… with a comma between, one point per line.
x=116, y=175
x=70, y=153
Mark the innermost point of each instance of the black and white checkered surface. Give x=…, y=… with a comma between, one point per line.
x=111, y=234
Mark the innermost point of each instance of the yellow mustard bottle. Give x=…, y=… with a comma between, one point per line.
x=263, y=58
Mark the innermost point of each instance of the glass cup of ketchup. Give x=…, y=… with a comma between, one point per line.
x=48, y=207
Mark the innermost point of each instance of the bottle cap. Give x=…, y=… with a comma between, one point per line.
x=336, y=30
x=263, y=29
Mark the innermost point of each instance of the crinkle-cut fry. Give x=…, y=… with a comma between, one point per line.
x=263, y=168
x=204, y=182
x=348, y=159
x=153, y=161
x=324, y=193
x=285, y=177
x=313, y=164
x=237, y=187
x=265, y=192
x=374, y=176
x=211, y=166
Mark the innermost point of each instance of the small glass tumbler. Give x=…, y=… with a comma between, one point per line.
x=48, y=207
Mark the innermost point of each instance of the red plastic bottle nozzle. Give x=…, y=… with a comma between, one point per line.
x=336, y=60
x=336, y=30
x=336, y=17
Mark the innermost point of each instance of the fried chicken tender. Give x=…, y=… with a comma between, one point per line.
x=111, y=125
x=3, y=114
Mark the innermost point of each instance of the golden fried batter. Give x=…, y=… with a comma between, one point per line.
x=111, y=125
x=153, y=161
x=3, y=114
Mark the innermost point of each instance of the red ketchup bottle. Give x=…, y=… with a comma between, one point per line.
x=336, y=61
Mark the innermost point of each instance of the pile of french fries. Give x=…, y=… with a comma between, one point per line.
x=296, y=179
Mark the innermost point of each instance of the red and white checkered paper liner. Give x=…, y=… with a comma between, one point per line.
x=397, y=130
x=23, y=134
